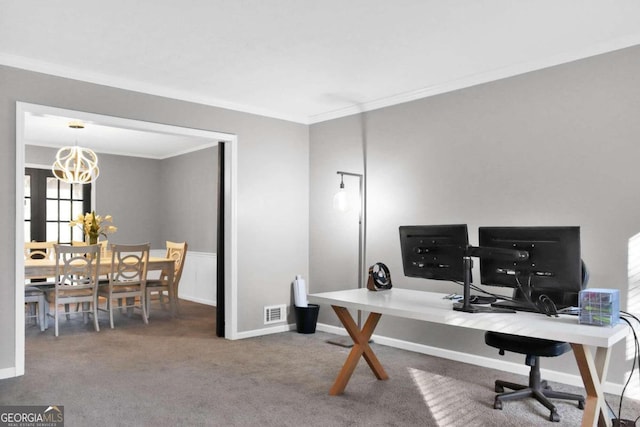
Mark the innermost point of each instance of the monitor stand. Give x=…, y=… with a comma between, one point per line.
x=466, y=305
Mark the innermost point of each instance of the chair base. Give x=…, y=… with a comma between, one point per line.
x=540, y=391
x=37, y=306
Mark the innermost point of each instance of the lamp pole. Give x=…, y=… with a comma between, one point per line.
x=362, y=236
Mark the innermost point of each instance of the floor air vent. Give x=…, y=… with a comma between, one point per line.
x=275, y=313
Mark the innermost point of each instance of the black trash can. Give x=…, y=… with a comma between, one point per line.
x=306, y=318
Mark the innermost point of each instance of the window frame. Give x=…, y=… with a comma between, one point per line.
x=39, y=199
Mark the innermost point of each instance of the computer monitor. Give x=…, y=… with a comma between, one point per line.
x=553, y=267
x=434, y=251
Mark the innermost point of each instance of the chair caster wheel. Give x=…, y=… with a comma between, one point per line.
x=554, y=417
x=580, y=404
x=497, y=404
x=499, y=389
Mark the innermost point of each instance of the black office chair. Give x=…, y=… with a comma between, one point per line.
x=533, y=348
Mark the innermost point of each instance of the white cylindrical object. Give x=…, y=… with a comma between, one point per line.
x=300, y=292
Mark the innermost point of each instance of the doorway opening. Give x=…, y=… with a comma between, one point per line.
x=24, y=111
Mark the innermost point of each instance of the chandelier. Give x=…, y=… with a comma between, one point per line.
x=76, y=165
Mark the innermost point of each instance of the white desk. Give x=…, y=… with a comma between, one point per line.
x=431, y=307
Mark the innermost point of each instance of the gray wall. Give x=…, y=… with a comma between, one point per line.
x=129, y=189
x=553, y=147
x=189, y=188
x=155, y=200
x=272, y=154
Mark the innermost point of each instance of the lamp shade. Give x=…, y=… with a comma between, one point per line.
x=76, y=165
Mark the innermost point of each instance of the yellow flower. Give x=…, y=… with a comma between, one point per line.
x=93, y=225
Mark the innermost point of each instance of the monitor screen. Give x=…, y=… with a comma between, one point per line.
x=553, y=266
x=434, y=251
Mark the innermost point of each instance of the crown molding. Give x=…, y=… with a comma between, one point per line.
x=449, y=86
x=480, y=78
x=44, y=67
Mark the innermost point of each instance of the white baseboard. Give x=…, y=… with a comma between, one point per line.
x=198, y=300
x=8, y=373
x=515, y=368
x=266, y=331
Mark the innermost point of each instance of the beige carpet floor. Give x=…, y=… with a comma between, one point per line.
x=175, y=372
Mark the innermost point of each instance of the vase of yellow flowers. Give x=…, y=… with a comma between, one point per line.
x=93, y=226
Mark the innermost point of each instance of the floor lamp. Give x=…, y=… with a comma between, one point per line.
x=340, y=204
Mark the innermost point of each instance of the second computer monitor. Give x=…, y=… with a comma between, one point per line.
x=554, y=263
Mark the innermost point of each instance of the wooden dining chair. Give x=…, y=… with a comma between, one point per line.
x=38, y=250
x=76, y=281
x=178, y=253
x=127, y=279
x=104, y=252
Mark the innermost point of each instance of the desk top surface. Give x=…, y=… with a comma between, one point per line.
x=433, y=307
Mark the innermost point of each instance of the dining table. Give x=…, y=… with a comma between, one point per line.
x=37, y=268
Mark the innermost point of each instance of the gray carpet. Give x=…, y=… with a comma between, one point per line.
x=175, y=372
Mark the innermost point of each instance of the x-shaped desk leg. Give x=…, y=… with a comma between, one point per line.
x=593, y=372
x=360, y=348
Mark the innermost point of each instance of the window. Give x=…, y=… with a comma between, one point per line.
x=49, y=206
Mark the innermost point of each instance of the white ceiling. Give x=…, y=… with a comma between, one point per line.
x=49, y=127
x=306, y=60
